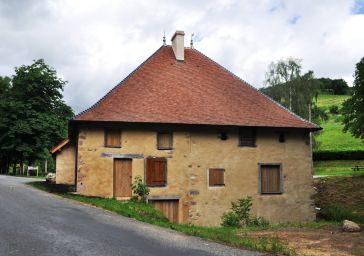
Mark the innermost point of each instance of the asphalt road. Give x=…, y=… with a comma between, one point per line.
x=33, y=222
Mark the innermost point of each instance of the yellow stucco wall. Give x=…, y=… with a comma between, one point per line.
x=65, y=165
x=194, y=152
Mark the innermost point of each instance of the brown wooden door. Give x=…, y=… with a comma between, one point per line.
x=122, y=178
x=169, y=208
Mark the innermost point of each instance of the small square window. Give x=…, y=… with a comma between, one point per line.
x=216, y=177
x=165, y=140
x=112, y=138
x=281, y=138
x=247, y=137
x=270, y=179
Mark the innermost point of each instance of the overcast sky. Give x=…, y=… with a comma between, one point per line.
x=95, y=44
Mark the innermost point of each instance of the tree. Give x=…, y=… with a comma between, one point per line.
x=283, y=71
x=353, y=108
x=335, y=86
x=5, y=84
x=33, y=115
x=296, y=94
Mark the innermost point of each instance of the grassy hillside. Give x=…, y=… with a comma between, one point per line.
x=328, y=100
x=332, y=138
x=337, y=167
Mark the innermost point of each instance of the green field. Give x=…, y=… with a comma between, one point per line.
x=339, y=167
x=328, y=100
x=332, y=138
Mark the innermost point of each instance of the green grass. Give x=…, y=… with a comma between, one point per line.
x=146, y=213
x=332, y=138
x=341, y=198
x=328, y=100
x=339, y=167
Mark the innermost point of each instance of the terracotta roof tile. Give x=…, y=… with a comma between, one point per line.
x=196, y=91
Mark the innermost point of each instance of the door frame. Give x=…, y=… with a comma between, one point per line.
x=113, y=176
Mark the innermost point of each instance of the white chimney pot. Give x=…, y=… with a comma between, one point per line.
x=178, y=45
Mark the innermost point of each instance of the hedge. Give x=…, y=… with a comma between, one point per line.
x=331, y=155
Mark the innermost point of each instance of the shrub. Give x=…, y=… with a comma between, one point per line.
x=140, y=190
x=334, y=110
x=230, y=219
x=258, y=222
x=239, y=216
x=338, y=213
x=332, y=155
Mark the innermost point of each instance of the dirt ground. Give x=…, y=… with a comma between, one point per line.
x=330, y=241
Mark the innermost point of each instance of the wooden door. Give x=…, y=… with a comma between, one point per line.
x=122, y=178
x=169, y=208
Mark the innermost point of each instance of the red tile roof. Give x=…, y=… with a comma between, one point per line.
x=196, y=91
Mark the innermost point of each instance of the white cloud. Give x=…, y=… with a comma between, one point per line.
x=95, y=44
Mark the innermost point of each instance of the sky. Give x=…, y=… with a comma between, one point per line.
x=93, y=45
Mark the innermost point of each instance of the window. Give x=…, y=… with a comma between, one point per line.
x=112, y=138
x=164, y=140
x=216, y=177
x=156, y=171
x=281, y=138
x=270, y=179
x=247, y=137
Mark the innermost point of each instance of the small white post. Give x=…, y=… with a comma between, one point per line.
x=46, y=166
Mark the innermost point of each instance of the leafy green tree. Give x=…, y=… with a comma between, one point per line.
x=282, y=72
x=5, y=84
x=34, y=115
x=335, y=86
x=353, y=108
x=296, y=94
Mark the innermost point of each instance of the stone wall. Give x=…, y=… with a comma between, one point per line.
x=65, y=165
x=196, y=150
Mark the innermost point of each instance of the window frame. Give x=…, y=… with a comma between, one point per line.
x=164, y=132
x=281, y=179
x=240, y=132
x=223, y=177
x=146, y=170
x=106, y=130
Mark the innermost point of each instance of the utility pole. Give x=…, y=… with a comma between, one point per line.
x=310, y=135
x=290, y=97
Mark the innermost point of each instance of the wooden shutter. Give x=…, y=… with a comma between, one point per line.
x=156, y=172
x=247, y=137
x=165, y=140
x=112, y=138
x=270, y=179
x=216, y=177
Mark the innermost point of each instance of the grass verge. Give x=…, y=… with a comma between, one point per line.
x=340, y=167
x=146, y=213
x=340, y=198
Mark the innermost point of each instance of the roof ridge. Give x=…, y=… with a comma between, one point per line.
x=119, y=84
x=261, y=93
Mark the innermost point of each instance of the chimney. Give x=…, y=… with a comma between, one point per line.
x=178, y=45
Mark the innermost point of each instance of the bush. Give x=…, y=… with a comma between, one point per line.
x=258, y=222
x=347, y=155
x=140, y=190
x=239, y=216
x=230, y=219
x=338, y=213
x=334, y=110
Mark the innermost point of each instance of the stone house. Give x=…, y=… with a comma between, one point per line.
x=198, y=135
